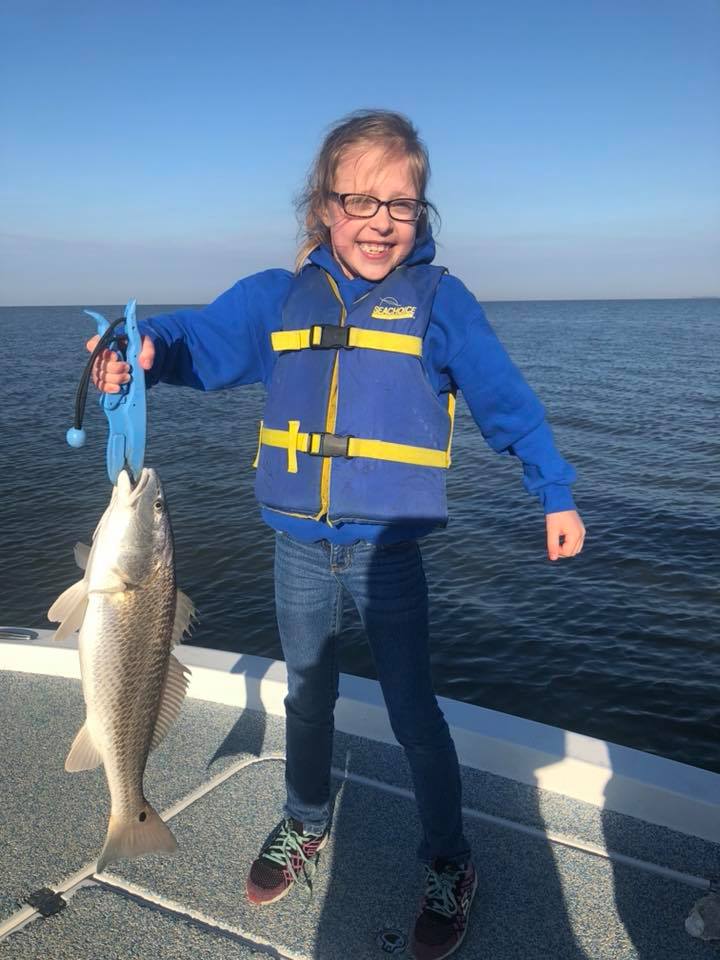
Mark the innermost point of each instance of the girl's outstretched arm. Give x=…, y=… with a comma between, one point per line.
x=505, y=408
x=224, y=344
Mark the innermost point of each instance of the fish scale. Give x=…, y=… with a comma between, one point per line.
x=128, y=679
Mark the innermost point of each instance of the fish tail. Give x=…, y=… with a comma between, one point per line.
x=147, y=833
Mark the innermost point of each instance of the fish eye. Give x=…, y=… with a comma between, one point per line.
x=159, y=505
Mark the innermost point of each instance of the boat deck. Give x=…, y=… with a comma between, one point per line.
x=559, y=879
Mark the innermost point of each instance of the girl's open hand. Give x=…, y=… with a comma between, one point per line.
x=565, y=534
x=109, y=372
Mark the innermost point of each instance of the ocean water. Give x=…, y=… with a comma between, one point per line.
x=621, y=642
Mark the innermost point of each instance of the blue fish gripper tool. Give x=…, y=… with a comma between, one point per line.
x=126, y=411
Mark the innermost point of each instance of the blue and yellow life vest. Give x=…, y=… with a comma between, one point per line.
x=353, y=429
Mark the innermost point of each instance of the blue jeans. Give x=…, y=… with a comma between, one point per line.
x=387, y=584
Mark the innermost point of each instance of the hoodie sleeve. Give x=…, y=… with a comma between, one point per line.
x=225, y=344
x=507, y=411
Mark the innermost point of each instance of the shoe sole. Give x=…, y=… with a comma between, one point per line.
x=460, y=941
x=288, y=888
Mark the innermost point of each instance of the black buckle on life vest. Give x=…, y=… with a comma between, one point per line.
x=332, y=337
x=330, y=445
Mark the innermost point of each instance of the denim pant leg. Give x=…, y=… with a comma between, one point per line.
x=308, y=604
x=389, y=588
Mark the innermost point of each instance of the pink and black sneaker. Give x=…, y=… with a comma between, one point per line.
x=287, y=855
x=442, y=922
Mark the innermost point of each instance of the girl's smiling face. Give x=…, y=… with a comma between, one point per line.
x=372, y=247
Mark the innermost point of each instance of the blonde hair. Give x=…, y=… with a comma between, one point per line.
x=360, y=128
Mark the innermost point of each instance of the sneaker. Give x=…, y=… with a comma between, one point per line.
x=442, y=922
x=287, y=855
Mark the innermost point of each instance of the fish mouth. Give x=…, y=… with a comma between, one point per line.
x=140, y=484
x=131, y=492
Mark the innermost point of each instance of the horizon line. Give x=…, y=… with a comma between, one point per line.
x=186, y=304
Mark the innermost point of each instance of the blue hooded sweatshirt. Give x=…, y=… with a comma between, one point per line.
x=227, y=344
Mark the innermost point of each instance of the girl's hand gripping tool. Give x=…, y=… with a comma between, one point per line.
x=126, y=410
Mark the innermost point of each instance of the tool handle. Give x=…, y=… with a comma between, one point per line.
x=125, y=410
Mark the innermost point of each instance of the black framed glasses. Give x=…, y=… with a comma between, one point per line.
x=362, y=206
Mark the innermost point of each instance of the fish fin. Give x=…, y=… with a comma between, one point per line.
x=69, y=608
x=84, y=755
x=81, y=552
x=184, y=615
x=132, y=839
x=171, y=700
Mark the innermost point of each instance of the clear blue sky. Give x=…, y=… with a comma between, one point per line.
x=154, y=148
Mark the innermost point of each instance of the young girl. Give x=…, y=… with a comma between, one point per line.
x=362, y=350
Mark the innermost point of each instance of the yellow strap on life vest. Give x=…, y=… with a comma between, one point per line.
x=292, y=441
x=290, y=340
x=292, y=449
x=398, y=452
x=259, y=447
x=357, y=337
x=451, y=414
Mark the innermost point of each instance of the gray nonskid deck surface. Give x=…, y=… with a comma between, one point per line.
x=535, y=899
x=543, y=810
x=54, y=822
x=98, y=924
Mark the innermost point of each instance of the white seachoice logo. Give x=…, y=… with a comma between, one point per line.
x=391, y=309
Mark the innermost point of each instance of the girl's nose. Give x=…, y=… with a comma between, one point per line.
x=382, y=220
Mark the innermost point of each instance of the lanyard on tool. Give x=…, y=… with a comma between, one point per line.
x=125, y=411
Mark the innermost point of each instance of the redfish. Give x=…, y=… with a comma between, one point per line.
x=130, y=614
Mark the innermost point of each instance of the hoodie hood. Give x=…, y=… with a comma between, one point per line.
x=422, y=252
